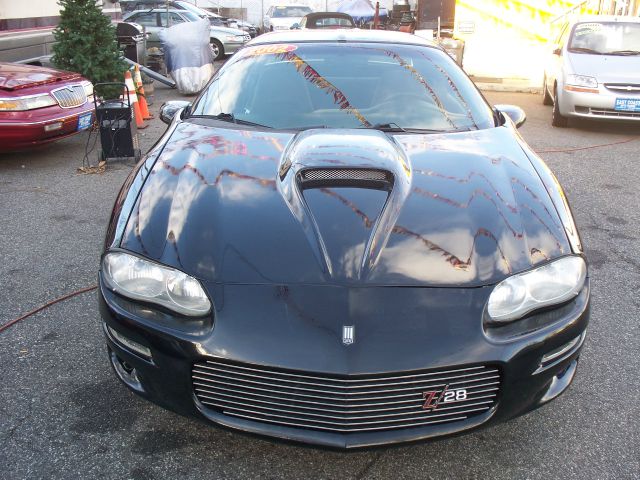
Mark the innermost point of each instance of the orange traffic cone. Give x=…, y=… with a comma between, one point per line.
x=134, y=100
x=137, y=78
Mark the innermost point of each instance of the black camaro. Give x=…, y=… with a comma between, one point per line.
x=340, y=242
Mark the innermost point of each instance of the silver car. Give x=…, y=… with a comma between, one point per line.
x=594, y=71
x=224, y=41
x=283, y=17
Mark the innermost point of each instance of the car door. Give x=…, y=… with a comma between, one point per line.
x=554, y=68
x=149, y=20
x=170, y=20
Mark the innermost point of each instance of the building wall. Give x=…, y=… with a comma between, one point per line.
x=28, y=14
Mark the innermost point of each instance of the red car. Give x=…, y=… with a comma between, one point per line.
x=39, y=105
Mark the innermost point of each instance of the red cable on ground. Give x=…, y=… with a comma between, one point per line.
x=575, y=149
x=4, y=326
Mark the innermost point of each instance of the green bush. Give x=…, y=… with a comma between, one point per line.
x=86, y=43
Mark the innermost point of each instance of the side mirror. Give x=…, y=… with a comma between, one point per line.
x=514, y=113
x=557, y=51
x=295, y=26
x=169, y=109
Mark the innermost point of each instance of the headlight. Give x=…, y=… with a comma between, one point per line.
x=582, y=81
x=19, y=104
x=553, y=283
x=88, y=88
x=235, y=38
x=141, y=279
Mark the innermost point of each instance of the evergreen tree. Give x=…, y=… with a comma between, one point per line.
x=86, y=42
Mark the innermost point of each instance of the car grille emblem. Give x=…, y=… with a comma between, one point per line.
x=348, y=332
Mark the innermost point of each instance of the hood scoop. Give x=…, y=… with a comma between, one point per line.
x=346, y=188
x=345, y=177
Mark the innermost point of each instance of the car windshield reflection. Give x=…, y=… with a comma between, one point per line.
x=311, y=85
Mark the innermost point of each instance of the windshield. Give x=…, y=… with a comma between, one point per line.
x=290, y=11
x=345, y=86
x=606, y=38
x=331, y=22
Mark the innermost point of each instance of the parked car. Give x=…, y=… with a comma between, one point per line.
x=328, y=246
x=224, y=41
x=216, y=19
x=594, y=71
x=283, y=17
x=250, y=28
x=318, y=20
x=39, y=105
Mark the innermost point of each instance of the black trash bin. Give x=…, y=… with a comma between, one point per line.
x=131, y=41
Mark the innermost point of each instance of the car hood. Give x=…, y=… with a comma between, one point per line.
x=606, y=68
x=284, y=21
x=15, y=76
x=258, y=207
x=227, y=31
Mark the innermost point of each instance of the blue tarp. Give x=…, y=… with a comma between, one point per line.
x=360, y=10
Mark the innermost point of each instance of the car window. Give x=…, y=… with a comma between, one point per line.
x=346, y=86
x=332, y=22
x=174, y=19
x=145, y=19
x=617, y=38
x=290, y=11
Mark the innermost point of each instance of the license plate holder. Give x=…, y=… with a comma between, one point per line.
x=627, y=105
x=84, y=121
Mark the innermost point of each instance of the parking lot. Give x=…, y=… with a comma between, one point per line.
x=63, y=414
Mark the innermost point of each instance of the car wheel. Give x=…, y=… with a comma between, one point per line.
x=557, y=119
x=546, y=98
x=217, y=49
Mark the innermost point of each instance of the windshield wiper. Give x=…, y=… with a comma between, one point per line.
x=624, y=52
x=302, y=129
x=388, y=127
x=584, y=50
x=394, y=127
x=230, y=117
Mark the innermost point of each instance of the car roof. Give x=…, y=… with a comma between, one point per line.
x=315, y=15
x=156, y=10
x=605, y=18
x=354, y=35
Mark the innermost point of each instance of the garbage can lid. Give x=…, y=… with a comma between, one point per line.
x=128, y=29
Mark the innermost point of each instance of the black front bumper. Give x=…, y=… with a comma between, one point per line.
x=241, y=335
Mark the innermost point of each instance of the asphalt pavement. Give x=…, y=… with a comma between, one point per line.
x=63, y=414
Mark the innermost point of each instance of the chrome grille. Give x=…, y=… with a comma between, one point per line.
x=609, y=112
x=623, y=87
x=71, y=96
x=343, y=403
